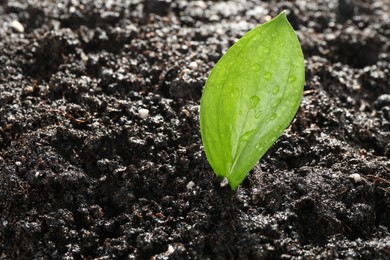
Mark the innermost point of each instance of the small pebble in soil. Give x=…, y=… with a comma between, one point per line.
x=143, y=113
x=193, y=65
x=383, y=100
x=170, y=249
x=190, y=185
x=17, y=26
x=356, y=177
x=224, y=182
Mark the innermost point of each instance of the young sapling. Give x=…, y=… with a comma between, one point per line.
x=250, y=97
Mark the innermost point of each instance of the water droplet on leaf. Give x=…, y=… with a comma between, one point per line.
x=254, y=100
x=245, y=137
x=234, y=92
x=256, y=67
x=275, y=90
x=276, y=103
x=272, y=117
x=267, y=75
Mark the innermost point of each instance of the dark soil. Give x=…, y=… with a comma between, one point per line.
x=83, y=175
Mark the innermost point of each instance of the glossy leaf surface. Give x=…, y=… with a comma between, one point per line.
x=250, y=97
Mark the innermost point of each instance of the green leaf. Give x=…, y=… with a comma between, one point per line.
x=250, y=97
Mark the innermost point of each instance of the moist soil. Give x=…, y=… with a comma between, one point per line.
x=86, y=172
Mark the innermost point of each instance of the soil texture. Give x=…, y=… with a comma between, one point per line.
x=100, y=148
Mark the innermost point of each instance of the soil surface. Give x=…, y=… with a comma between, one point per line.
x=86, y=171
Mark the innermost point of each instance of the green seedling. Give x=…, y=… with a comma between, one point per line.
x=250, y=98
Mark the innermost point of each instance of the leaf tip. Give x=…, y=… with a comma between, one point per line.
x=283, y=14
